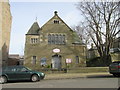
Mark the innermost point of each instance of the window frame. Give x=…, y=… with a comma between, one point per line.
x=57, y=39
x=34, y=60
x=33, y=40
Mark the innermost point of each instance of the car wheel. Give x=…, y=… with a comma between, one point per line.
x=116, y=75
x=34, y=78
x=3, y=79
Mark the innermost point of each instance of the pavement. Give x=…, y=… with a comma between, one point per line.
x=76, y=75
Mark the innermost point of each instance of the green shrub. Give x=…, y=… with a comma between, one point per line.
x=94, y=62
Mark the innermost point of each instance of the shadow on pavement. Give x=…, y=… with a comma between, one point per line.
x=19, y=81
x=101, y=76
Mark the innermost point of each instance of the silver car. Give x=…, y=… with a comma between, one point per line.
x=114, y=68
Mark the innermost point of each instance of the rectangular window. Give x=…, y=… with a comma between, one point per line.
x=34, y=40
x=77, y=59
x=34, y=59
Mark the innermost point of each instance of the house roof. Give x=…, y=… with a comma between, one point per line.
x=34, y=30
x=14, y=56
x=57, y=17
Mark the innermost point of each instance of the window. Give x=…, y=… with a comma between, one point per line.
x=53, y=39
x=63, y=39
x=49, y=39
x=13, y=69
x=56, y=21
x=56, y=39
x=77, y=59
x=9, y=69
x=23, y=69
x=34, y=40
x=43, y=61
x=34, y=59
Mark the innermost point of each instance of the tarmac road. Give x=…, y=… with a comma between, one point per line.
x=85, y=82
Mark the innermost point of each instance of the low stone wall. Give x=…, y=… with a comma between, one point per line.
x=88, y=70
x=76, y=70
x=115, y=57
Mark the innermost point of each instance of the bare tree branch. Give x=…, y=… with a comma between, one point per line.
x=103, y=20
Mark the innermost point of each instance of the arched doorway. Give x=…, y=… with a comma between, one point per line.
x=56, y=61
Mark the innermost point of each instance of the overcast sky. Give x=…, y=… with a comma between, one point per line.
x=24, y=15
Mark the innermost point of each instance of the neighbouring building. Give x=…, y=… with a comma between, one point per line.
x=117, y=43
x=13, y=59
x=54, y=45
x=115, y=51
x=5, y=29
x=93, y=57
x=92, y=52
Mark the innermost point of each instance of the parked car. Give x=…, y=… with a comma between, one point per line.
x=15, y=73
x=114, y=68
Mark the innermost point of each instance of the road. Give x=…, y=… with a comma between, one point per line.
x=89, y=82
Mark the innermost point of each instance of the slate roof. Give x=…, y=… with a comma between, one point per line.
x=34, y=30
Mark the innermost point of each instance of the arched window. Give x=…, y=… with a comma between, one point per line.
x=56, y=21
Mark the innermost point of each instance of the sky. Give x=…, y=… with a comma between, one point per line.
x=24, y=15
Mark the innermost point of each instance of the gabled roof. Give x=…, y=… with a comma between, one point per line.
x=34, y=30
x=57, y=17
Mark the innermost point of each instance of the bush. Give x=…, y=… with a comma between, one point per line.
x=48, y=66
x=94, y=62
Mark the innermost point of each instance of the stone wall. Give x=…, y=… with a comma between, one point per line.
x=42, y=49
x=5, y=29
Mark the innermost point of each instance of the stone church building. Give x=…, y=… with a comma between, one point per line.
x=54, y=45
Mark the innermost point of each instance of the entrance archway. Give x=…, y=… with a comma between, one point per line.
x=56, y=61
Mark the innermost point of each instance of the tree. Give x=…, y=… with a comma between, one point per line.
x=101, y=21
x=83, y=34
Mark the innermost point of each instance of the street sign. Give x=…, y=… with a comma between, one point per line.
x=56, y=50
x=68, y=60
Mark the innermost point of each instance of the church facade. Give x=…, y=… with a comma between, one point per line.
x=54, y=45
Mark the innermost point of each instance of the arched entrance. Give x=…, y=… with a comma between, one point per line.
x=56, y=61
